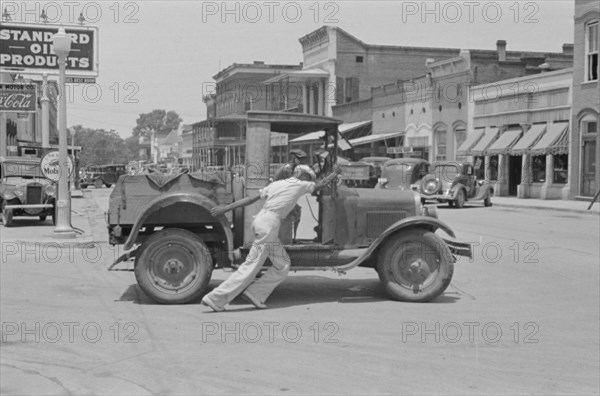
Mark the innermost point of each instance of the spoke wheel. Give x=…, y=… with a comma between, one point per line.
x=417, y=266
x=174, y=266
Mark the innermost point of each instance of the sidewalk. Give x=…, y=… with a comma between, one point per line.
x=545, y=204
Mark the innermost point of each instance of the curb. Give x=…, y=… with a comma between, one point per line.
x=552, y=208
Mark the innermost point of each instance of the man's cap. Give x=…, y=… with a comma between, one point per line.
x=300, y=169
x=298, y=153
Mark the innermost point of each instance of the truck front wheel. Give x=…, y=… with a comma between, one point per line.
x=417, y=266
x=174, y=266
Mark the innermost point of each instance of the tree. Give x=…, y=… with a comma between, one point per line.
x=159, y=121
x=100, y=147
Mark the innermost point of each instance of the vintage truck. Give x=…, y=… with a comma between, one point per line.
x=164, y=224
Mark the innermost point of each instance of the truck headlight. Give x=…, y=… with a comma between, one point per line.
x=50, y=189
x=430, y=211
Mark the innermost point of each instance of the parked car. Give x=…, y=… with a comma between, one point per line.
x=455, y=183
x=176, y=242
x=403, y=174
x=24, y=191
x=101, y=175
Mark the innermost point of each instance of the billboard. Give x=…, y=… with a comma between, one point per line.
x=29, y=47
x=21, y=98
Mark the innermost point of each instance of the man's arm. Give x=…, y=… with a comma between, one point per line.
x=221, y=209
x=328, y=179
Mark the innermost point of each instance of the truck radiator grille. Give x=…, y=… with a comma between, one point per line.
x=379, y=221
x=34, y=194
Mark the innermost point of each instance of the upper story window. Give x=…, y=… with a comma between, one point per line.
x=591, y=51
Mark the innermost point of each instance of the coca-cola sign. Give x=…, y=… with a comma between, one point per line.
x=20, y=98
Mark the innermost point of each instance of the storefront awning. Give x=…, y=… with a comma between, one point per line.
x=529, y=138
x=471, y=140
x=555, y=141
x=505, y=142
x=342, y=128
x=488, y=138
x=374, y=138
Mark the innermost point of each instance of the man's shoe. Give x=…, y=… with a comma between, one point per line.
x=253, y=300
x=208, y=302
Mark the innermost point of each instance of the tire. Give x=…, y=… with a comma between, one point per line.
x=416, y=266
x=182, y=253
x=451, y=204
x=108, y=185
x=487, y=201
x=98, y=183
x=83, y=186
x=460, y=199
x=42, y=217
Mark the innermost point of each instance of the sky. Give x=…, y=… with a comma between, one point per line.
x=163, y=54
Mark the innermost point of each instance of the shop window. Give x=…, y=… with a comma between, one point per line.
x=591, y=51
x=538, y=169
x=561, y=170
x=359, y=59
x=440, y=141
x=493, y=168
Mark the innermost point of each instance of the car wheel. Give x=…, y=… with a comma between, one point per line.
x=451, y=204
x=415, y=267
x=460, y=199
x=98, y=183
x=42, y=217
x=83, y=186
x=174, y=266
x=108, y=185
x=487, y=201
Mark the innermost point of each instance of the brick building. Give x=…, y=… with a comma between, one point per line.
x=584, y=140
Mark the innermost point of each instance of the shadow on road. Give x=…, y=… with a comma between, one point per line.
x=300, y=290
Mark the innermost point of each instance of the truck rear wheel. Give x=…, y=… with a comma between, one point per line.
x=416, y=267
x=174, y=266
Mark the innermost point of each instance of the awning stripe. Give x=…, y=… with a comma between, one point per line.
x=471, y=140
x=504, y=143
x=555, y=141
x=490, y=135
x=531, y=137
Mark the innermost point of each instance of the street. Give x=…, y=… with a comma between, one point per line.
x=522, y=317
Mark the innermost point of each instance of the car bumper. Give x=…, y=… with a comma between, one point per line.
x=36, y=206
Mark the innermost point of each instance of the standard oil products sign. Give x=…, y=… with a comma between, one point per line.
x=20, y=98
x=29, y=47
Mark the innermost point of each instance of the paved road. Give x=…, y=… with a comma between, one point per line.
x=522, y=317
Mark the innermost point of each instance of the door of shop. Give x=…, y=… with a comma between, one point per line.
x=514, y=174
x=589, y=187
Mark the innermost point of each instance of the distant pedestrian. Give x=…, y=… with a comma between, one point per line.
x=280, y=198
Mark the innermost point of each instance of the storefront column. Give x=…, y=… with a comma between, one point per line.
x=311, y=99
x=320, y=98
x=524, y=188
x=486, y=167
x=305, y=99
x=501, y=188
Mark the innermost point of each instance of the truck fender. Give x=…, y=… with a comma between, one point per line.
x=430, y=223
x=455, y=189
x=164, y=201
x=484, y=191
x=7, y=196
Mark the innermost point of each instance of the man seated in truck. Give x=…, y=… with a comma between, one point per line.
x=280, y=198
